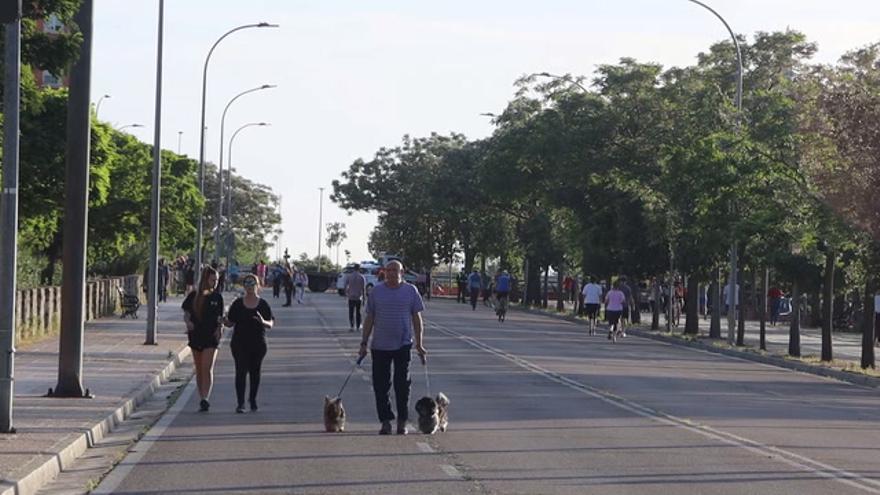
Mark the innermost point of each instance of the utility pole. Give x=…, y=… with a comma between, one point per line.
x=320, y=221
x=152, y=299
x=76, y=212
x=9, y=210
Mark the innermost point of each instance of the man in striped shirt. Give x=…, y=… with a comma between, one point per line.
x=394, y=319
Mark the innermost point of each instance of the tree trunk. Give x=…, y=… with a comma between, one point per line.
x=715, y=325
x=692, y=317
x=560, y=306
x=533, y=291
x=469, y=256
x=765, y=282
x=744, y=307
x=868, y=322
x=794, y=332
x=655, y=310
x=827, y=306
x=545, y=297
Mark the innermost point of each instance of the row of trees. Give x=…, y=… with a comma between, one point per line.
x=645, y=166
x=119, y=195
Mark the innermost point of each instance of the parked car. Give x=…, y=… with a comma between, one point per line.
x=369, y=270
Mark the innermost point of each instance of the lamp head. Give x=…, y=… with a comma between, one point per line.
x=266, y=24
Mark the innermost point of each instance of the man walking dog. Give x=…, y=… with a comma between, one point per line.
x=394, y=320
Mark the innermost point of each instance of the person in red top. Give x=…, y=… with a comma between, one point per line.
x=775, y=296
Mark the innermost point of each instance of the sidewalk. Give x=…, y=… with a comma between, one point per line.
x=118, y=369
x=846, y=346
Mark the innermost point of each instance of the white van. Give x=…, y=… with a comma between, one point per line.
x=370, y=271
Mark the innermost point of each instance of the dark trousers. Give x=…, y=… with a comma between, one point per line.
x=475, y=295
x=462, y=288
x=248, y=361
x=276, y=290
x=382, y=362
x=354, y=312
x=288, y=293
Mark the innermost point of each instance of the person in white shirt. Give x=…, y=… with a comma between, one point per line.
x=300, y=281
x=592, y=299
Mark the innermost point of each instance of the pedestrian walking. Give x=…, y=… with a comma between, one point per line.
x=461, y=280
x=203, y=315
x=475, y=283
x=394, y=321
x=251, y=316
x=162, y=283
x=775, y=296
x=592, y=294
x=355, y=287
x=301, y=280
x=276, y=281
x=260, y=269
x=287, y=283
x=614, y=301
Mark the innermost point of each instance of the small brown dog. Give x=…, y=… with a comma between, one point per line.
x=433, y=413
x=334, y=415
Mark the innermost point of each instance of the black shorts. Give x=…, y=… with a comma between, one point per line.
x=613, y=316
x=199, y=341
x=592, y=309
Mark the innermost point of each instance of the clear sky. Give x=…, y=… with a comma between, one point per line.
x=354, y=76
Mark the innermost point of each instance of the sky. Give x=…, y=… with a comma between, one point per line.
x=354, y=76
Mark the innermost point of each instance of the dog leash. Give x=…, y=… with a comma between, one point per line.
x=347, y=378
x=427, y=380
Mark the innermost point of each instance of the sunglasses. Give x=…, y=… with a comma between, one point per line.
x=249, y=283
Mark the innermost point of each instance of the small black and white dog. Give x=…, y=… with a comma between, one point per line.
x=433, y=413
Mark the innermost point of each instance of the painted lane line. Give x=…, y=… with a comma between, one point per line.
x=451, y=471
x=424, y=447
x=115, y=478
x=792, y=459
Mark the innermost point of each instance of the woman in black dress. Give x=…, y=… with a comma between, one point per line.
x=251, y=316
x=203, y=314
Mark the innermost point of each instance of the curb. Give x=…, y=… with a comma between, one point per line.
x=31, y=482
x=778, y=361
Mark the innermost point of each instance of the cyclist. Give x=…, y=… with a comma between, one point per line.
x=502, y=289
x=592, y=299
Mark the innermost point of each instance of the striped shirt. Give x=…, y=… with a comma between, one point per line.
x=392, y=311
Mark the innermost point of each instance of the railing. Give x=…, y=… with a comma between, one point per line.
x=38, y=310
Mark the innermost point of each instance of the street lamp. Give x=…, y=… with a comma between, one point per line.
x=220, y=166
x=98, y=105
x=200, y=222
x=320, y=220
x=731, y=294
x=126, y=126
x=229, y=185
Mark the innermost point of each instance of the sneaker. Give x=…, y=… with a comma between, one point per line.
x=401, y=428
x=386, y=428
x=254, y=406
x=240, y=409
x=204, y=405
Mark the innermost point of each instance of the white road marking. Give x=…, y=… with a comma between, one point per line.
x=112, y=481
x=424, y=447
x=451, y=471
x=792, y=459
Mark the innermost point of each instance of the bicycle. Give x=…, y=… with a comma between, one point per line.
x=501, y=309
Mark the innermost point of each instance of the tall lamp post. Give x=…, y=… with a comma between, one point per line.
x=731, y=288
x=320, y=221
x=10, y=15
x=200, y=221
x=229, y=182
x=98, y=105
x=220, y=167
x=126, y=126
x=153, y=272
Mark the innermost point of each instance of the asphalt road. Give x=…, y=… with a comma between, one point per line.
x=537, y=407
